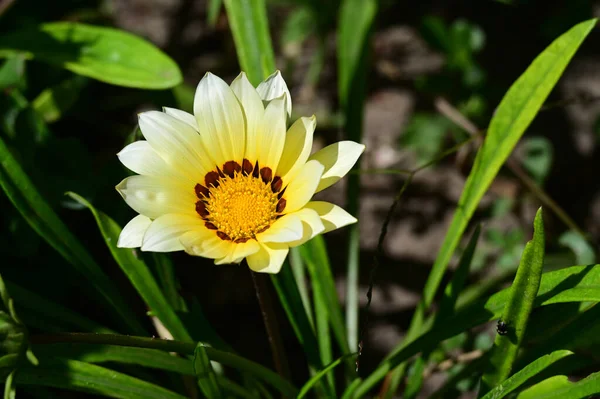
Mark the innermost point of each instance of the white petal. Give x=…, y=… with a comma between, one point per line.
x=273, y=87
x=164, y=233
x=302, y=188
x=239, y=251
x=220, y=120
x=177, y=143
x=205, y=243
x=182, y=116
x=285, y=229
x=140, y=158
x=298, y=143
x=272, y=135
x=269, y=258
x=311, y=225
x=332, y=216
x=253, y=111
x=132, y=234
x=337, y=159
x=154, y=196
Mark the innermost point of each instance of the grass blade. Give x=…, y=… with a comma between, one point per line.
x=207, y=379
x=559, y=387
x=40, y=216
x=517, y=309
x=250, y=28
x=83, y=377
x=310, y=383
x=354, y=30
x=137, y=272
x=525, y=374
x=572, y=284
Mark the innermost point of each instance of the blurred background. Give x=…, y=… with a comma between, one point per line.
x=430, y=62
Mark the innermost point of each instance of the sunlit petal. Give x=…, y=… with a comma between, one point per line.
x=298, y=143
x=337, y=159
x=274, y=87
x=133, y=233
x=253, y=111
x=269, y=258
x=164, y=232
x=301, y=189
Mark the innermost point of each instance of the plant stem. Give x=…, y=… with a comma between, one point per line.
x=265, y=300
x=185, y=348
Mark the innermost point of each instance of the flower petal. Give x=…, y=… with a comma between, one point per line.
x=133, y=233
x=311, y=225
x=177, y=143
x=272, y=136
x=285, y=229
x=220, y=120
x=253, y=111
x=155, y=196
x=205, y=243
x=269, y=258
x=239, y=251
x=301, y=189
x=274, y=87
x=337, y=159
x=140, y=158
x=298, y=143
x=182, y=116
x=332, y=216
x=164, y=232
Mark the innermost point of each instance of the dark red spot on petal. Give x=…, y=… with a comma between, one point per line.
x=212, y=179
x=281, y=205
x=266, y=174
x=230, y=167
x=210, y=226
x=246, y=167
x=261, y=230
x=241, y=240
x=223, y=236
x=201, y=209
x=221, y=174
x=276, y=184
x=256, y=170
x=201, y=191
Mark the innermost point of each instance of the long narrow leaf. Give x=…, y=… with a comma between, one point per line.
x=250, y=28
x=83, y=377
x=523, y=293
x=40, y=216
x=310, y=383
x=522, y=376
x=559, y=387
x=137, y=272
x=207, y=379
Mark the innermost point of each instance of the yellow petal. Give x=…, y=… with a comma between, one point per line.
x=164, y=232
x=274, y=87
x=133, y=233
x=177, y=143
x=272, y=136
x=239, y=251
x=140, y=158
x=332, y=216
x=254, y=111
x=301, y=189
x=154, y=196
x=269, y=258
x=311, y=225
x=285, y=229
x=205, y=243
x=182, y=116
x=220, y=120
x=337, y=159
x=297, y=147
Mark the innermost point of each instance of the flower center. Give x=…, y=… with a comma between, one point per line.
x=239, y=202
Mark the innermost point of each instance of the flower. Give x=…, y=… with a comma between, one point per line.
x=229, y=182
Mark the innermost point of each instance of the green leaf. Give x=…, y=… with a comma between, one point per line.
x=512, y=117
x=353, y=44
x=521, y=377
x=250, y=28
x=137, y=272
x=83, y=377
x=10, y=391
x=559, y=387
x=53, y=102
x=212, y=11
x=47, y=224
x=310, y=383
x=207, y=379
x=12, y=72
x=572, y=284
x=523, y=293
x=106, y=54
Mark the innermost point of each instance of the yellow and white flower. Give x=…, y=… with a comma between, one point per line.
x=228, y=182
